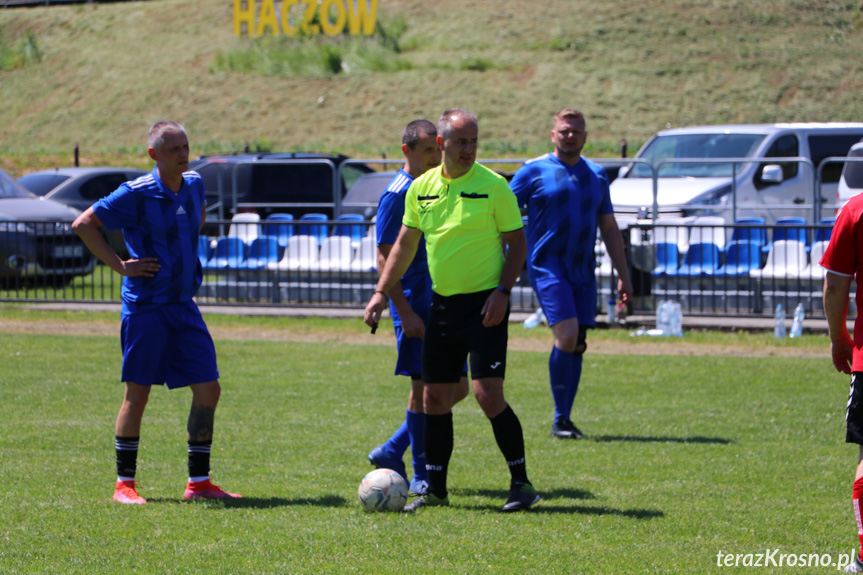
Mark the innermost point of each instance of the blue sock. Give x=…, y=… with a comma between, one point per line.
x=576, y=379
x=561, y=366
x=398, y=443
x=416, y=428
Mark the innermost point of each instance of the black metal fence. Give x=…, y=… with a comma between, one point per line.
x=710, y=267
x=717, y=269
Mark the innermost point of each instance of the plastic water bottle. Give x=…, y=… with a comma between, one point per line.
x=612, y=304
x=779, y=322
x=534, y=319
x=663, y=318
x=797, y=323
x=676, y=319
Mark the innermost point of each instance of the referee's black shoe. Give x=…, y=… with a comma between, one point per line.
x=521, y=497
x=427, y=500
x=566, y=430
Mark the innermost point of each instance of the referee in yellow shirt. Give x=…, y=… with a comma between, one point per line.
x=476, y=249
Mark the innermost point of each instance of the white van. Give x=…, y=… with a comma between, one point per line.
x=851, y=182
x=767, y=189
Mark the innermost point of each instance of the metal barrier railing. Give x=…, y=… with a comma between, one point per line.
x=714, y=269
x=711, y=268
x=278, y=283
x=299, y=263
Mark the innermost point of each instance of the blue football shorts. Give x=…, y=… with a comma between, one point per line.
x=168, y=345
x=409, y=362
x=410, y=350
x=562, y=300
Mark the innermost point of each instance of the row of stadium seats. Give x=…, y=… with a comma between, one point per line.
x=336, y=253
x=713, y=229
x=787, y=259
x=248, y=227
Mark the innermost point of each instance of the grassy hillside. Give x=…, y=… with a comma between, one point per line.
x=105, y=72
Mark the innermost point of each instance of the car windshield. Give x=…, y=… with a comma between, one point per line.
x=9, y=188
x=696, y=146
x=41, y=184
x=353, y=172
x=369, y=188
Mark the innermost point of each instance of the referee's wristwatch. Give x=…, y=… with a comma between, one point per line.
x=504, y=290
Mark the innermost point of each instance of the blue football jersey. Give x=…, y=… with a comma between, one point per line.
x=563, y=207
x=158, y=223
x=391, y=209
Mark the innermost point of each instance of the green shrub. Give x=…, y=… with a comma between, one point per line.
x=22, y=53
x=307, y=56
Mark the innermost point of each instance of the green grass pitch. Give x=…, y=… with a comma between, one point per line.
x=687, y=457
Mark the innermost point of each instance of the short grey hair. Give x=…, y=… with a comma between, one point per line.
x=444, y=125
x=156, y=134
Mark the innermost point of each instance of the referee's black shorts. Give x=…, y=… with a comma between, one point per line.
x=854, y=411
x=455, y=331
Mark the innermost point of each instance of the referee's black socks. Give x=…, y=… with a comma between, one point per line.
x=510, y=440
x=439, y=442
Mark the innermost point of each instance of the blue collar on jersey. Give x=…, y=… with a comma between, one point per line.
x=163, y=191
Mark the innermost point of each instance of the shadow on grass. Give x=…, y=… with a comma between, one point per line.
x=548, y=503
x=565, y=493
x=642, y=439
x=263, y=502
x=598, y=511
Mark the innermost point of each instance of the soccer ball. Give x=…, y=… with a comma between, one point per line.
x=383, y=490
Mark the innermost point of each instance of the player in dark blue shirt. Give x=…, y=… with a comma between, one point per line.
x=567, y=201
x=163, y=335
x=410, y=302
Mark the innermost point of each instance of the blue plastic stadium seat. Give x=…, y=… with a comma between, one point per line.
x=307, y=227
x=702, y=259
x=230, y=253
x=353, y=226
x=667, y=256
x=748, y=232
x=790, y=228
x=741, y=257
x=280, y=226
x=262, y=252
x=824, y=230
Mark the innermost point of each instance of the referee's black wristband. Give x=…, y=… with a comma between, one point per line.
x=503, y=289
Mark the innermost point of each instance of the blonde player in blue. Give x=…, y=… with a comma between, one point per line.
x=567, y=201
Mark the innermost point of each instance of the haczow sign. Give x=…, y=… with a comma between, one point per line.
x=333, y=16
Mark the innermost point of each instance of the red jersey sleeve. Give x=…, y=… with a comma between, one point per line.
x=845, y=244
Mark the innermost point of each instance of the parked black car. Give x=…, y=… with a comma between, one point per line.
x=79, y=188
x=363, y=197
x=36, y=238
x=308, y=181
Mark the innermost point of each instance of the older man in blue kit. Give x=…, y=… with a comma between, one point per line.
x=163, y=336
